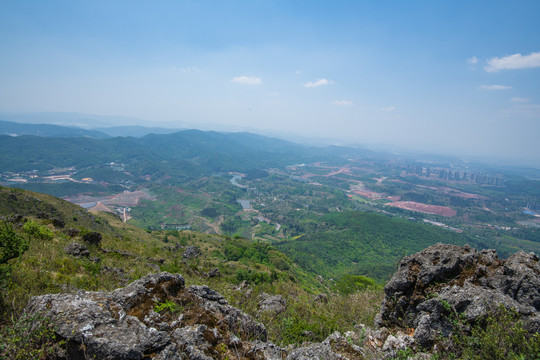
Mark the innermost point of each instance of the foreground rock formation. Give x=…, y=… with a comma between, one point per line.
x=154, y=316
x=432, y=287
x=157, y=317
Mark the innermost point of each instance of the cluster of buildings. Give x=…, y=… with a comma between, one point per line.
x=454, y=175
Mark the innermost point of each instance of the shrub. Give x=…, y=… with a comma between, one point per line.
x=500, y=336
x=29, y=337
x=38, y=231
x=167, y=306
x=349, y=284
x=11, y=244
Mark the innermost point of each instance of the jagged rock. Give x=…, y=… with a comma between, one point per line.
x=321, y=298
x=214, y=272
x=274, y=304
x=93, y=238
x=433, y=286
x=237, y=321
x=394, y=343
x=59, y=223
x=77, y=250
x=191, y=252
x=334, y=347
x=124, y=323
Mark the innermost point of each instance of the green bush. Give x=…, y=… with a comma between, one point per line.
x=40, y=232
x=349, y=284
x=29, y=337
x=500, y=336
x=11, y=244
x=167, y=306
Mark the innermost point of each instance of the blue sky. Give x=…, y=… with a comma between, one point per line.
x=459, y=77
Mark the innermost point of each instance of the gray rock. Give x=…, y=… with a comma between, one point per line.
x=274, y=304
x=77, y=250
x=238, y=322
x=191, y=252
x=123, y=324
x=334, y=347
x=214, y=272
x=93, y=238
x=432, y=287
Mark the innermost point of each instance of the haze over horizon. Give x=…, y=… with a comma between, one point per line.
x=456, y=77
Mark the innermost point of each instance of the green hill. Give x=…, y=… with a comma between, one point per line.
x=363, y=243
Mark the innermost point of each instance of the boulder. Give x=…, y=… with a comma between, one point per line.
x=93, y=238
x=334, y=347
x=132, y=323
x=274, y=304
x=191, y=252
x=58, y=223
x=442, y=282
x=77, y=250
x=214, y=272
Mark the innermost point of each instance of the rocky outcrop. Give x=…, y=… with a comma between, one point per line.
x=434, y=286
x=191, y=252
x=77, y=250
x=133, y=322
x=93, y=238
x=273, y=304
x=154, y=316
x=158, y=317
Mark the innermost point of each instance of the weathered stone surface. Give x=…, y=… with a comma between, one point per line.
x=77, y=250
x=433, y=286
x=191, y=252
x=124, y=324
x=274, y=304
x=214, y=272
x=93, y=238
x=58, y=223
x=334, y=347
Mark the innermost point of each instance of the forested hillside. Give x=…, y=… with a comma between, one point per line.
x=364, y=244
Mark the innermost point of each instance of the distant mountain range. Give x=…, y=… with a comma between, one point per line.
x=181, y=155
x=45, y=130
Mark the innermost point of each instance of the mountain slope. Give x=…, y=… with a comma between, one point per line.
x=46, y=130
x=363, y=243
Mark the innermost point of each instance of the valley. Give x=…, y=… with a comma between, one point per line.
x=263, y=189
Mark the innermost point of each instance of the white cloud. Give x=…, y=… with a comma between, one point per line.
x=249, y=80
x=494, y=87
x=472, y=60
x=388, y=108
x=273, y=94
x=298, y=72
x=342, y=103
x=520, y=100
x=515, y=61
x=318, y=82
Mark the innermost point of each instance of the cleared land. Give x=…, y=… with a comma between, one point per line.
x=425, y=208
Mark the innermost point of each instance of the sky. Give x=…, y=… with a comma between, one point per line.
x=452, y=77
